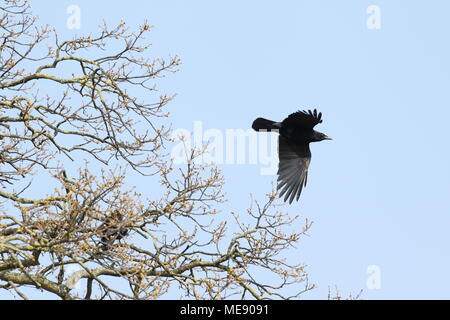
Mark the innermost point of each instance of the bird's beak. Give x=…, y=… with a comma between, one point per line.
x=327, y=138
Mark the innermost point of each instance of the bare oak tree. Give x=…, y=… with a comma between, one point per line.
x=63, y=102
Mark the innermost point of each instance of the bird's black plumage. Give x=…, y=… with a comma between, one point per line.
x=296, y=133
x=112, y=229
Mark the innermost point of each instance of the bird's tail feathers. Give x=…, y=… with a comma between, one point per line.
x=261, y=124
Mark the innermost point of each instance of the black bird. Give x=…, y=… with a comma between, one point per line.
x=296, y=132
x=112, y=234
x=112, y=229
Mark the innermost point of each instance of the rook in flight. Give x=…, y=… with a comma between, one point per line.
x=295, y=134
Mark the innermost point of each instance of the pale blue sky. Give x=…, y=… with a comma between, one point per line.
x=379, y=192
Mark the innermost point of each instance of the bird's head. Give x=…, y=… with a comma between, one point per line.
x=319, y=136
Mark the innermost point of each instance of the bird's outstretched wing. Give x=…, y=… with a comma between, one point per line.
x=306, y=119
x=292, y=168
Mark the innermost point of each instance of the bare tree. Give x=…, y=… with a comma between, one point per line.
x=63, y=102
